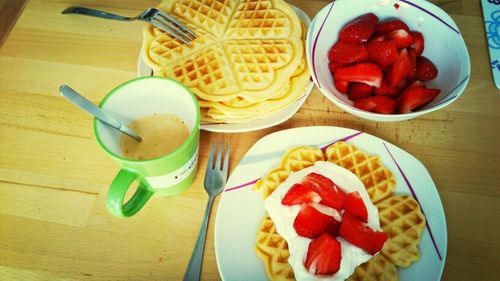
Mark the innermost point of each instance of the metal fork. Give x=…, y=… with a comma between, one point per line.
x=153, y=16
x=215, y=179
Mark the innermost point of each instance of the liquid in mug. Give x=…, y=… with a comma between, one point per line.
x=161, y=134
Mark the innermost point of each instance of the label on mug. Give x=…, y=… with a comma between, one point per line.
x=175, y=177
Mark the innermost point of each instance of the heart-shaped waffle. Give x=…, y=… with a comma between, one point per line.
x=246, y=49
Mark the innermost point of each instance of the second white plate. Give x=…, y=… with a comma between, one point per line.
x=144, y=70
x=241, y=209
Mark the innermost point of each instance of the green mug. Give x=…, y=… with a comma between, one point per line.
x=166, y=175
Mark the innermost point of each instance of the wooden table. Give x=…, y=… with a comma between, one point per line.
x=54, y=177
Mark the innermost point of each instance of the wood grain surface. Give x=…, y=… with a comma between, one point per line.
x=54, y=177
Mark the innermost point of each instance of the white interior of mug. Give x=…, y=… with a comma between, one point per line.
x=142, y=97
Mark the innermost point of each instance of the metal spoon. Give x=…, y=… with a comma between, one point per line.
x=95, y=111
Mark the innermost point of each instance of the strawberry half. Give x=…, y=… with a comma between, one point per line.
x=324, y=255
x=331, y=195
x=386, y=27
x=383, y=52
x=311, y=223
x=333, y=66
x=418, y=42
x=426, y=70
x=398, y=70
x=359, y=30
x=401, y=37
x=355, y=232
x=299, y=194
x=412, y=54
x=341, y=86
x=387, y=90
x=359, y=90
x=368, y=73
x=346, y=53
x=415, y=97
x=379, y=104
x=355, y=205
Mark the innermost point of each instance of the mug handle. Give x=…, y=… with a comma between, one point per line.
x=118, y=189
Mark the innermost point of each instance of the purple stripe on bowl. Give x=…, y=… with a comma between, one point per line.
x=316, y=42
x=322, y=149
x=431, y=14
x=416, y=198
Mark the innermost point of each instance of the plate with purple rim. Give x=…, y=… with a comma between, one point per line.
x=241, y=209
x=257, y=124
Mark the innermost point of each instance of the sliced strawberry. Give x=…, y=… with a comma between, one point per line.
x=412, y=76
x=398, y=70
x=383, y=53
x=324, y=255
x=359, y=90
x=378, y=104
x=355, y=232
x=415, y=97
x=389, y=26
x=346, y=53
x=359, y=30
x=341, y=86
x=331, y=195
x=379, y=38
x=368, y=73
x=418, y=42
x=387, y=90
x=416, y=83
x=300, y=194
x=311, y=223
x=355, y=205
x=426, y=70
x=333, y=66
x=401, y=37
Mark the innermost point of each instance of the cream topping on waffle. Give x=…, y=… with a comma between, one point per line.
x=284, y=216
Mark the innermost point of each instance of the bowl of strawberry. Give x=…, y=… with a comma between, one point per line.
x=387, y=60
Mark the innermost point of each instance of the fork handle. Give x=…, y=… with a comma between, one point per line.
x=194, y=267
x=95, y=13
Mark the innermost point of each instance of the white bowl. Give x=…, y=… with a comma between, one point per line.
x=444, y=46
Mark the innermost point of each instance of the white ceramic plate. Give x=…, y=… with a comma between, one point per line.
x=241, y=209
x=144, y=70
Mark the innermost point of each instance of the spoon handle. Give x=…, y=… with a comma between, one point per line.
x=80, y=101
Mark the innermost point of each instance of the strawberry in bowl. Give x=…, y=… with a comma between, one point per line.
x=379, y=66
x=387, y=60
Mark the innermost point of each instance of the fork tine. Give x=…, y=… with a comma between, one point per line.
x=219, y=156
x=183, y=27
x=225, y=166
x=210, y=162
x=163, y=26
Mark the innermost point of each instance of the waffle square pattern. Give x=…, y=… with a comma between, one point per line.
x=250, y=50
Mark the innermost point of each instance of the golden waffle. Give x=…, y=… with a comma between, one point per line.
x=273, y=250
x=378, y=268
x=295, y=159
x=402, y=220
x=241, y=109
x=378, y=180
x=246, y=50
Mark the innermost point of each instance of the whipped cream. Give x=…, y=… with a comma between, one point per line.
x=283, y=217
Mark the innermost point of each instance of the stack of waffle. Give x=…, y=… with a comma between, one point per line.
x=400, y=215
x=246, y=62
